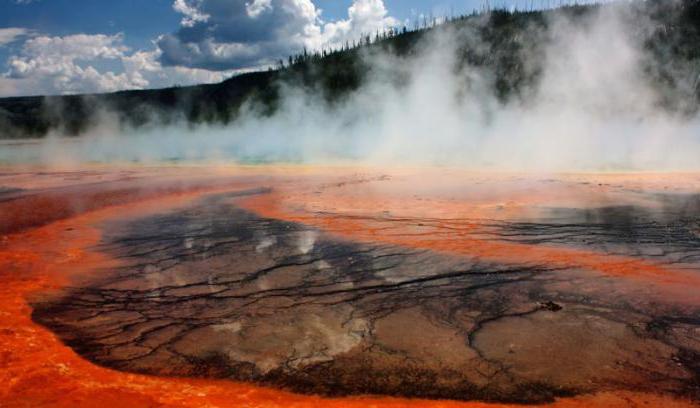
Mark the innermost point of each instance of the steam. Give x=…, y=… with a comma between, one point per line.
x=593, y=109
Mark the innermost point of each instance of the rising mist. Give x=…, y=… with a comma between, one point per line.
x=595, y=105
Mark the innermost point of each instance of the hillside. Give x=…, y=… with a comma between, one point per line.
x=509, y=47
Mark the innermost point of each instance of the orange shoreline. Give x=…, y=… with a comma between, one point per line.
x=466, y=241
x=36, y=369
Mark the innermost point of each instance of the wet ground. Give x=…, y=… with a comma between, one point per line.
x=431, y=284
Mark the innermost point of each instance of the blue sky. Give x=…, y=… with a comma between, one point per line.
x=75, y=46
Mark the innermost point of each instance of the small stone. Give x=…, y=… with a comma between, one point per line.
x=550, y=306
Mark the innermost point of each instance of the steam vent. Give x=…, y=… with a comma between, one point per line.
x=288, y=203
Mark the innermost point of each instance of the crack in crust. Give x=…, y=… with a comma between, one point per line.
x=215, y=291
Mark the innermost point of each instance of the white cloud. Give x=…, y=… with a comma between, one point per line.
x=147, y=65
x=191, y=11
x=216, y=39
x=63, y=64
x=8, y=86
x=12, y=34
x=76, y=64
x=257, y=7
x=242, y=34
x=364, y=17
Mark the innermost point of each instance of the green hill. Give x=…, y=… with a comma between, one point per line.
x=508, y=44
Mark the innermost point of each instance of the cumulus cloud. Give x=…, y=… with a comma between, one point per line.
x=147, y=64
x=364, y=17
x=216, y=39
x=12, y=34
x=7, y=86
x=191, y=12
x=225, y=34
x=76, y=64
x=257, y=7
x=61, y=64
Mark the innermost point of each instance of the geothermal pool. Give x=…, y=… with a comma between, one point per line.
x=278, y=286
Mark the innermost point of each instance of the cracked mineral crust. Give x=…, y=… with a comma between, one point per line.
x=216, y=291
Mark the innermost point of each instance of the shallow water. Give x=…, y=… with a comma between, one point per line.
x=427, y=283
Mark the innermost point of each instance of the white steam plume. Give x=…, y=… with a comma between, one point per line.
x=592, y=110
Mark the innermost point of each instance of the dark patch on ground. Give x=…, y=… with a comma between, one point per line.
x=8, y=191
x=216, y=291
x=669, y=233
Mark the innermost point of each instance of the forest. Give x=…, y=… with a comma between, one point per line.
x=508, y=44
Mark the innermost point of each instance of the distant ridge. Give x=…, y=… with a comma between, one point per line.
x=335, y=73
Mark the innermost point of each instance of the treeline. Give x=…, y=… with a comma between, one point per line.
x=506, y=43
